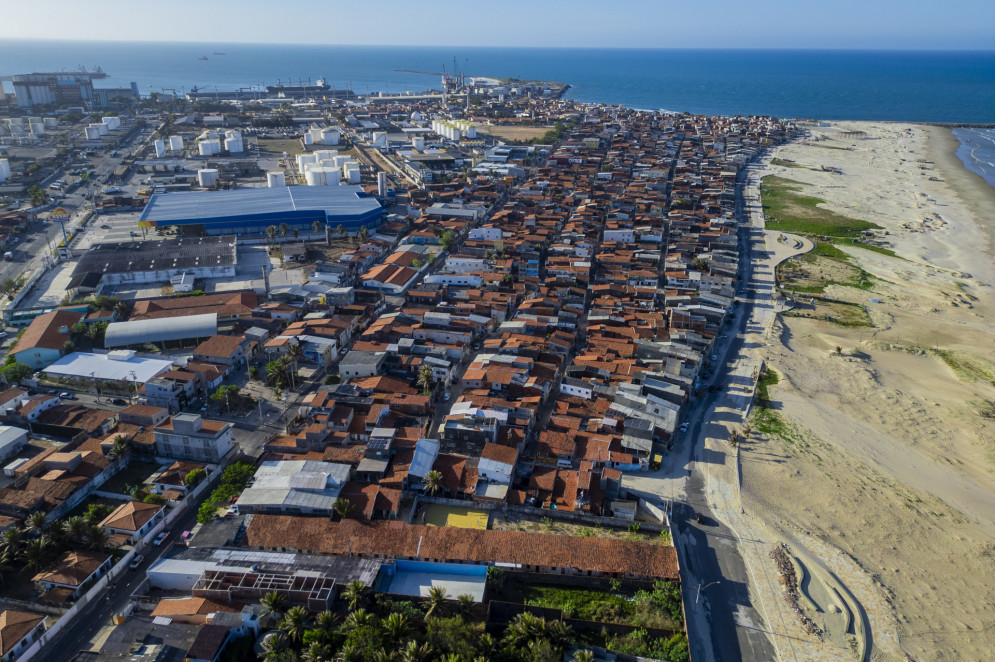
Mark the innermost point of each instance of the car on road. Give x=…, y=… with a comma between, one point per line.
x=159, y=538
x=3, y=334
x=715, y=357
x=137, y=561
x=66, y=395
x=120, y=402
x=684, y=427
x=447, y=396
x=104, y=226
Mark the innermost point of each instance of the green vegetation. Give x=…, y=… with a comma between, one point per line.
x=768, y=378
x=233, y=481
x=967, y=367
x=787, y=210
x=641, y=643
x=192, y=479
x=841, y=313
x=787, y=163
x=10, y=286
x=14, y=372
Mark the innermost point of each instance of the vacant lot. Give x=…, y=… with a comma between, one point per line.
x=788, y=210
x=512, y=522
x=515, y=133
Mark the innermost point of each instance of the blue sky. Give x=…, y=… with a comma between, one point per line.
x=878, y=24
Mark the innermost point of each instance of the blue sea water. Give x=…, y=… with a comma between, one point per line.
x=925, y=86
x=977, y=151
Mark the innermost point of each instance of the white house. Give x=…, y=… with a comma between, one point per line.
x=18, y=630
x=497, y=463
x=133, y=519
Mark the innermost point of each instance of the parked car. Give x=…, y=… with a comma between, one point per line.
x=104, y=226
x=120, y=402
x=447, y=396
x=66, y=395
x=159, y=538
x=715, y=357
x=137, y=561
x=684, y=427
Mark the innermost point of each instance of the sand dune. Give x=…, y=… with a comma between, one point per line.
x=887, y=470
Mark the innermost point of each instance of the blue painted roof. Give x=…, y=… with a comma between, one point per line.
x=342, y=200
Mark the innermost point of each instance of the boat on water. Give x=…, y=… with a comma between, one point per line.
x=279, y=89
x=202, y=57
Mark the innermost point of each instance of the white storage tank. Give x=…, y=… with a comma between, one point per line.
x=308, y=138
x=4, y=170
x=112, y=122
x=207, y=177
x=315, y=177
x=275, y=179
x=315, y=135
x=38, y=128
x=333, y=176
x=209, y=147
x=330, y=137
x=325, y=154
x=92, y=133
x=382, y=184
x=351, y=173
x=160, y=148
x=102, y=128
x=418, y=142
x=51, y=122
x=234, y=145
x=175, y=143
x=342, y=160
x=379, y=139
x=304, y=160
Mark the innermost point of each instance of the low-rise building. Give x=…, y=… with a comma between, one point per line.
x=74, y=571
x=190, y=437
x=133, y=520
x=18, y=630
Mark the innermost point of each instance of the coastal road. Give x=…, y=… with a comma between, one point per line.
x=725, y=622
x=97, y=613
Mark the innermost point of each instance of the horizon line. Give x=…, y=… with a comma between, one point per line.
x=537, y=47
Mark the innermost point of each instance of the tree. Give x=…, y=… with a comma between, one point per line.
x=358, y=619
x=253, y=372
x=447, y=240
x=294, y=622
x=274, y=643
x=68, y=347
x=465, y=604
x=363, y=235
x=425, y=379
x=37, y=194
x=396, y=626
x=433, y=482
x=35, y=553
x=342, y=506
x=339, y=229
x=193, y=478
x=583, y=655
x=35, y=524
x=326, y=621
x=283, y=229
x=414, y=652
x=97, y=537
x=355, y=595
x=154, y=498
x=317, y=652
x=271, y=232
x=315, y=227
x=120, y=447
x=436, y=599
x=14, y=372
x=274, y=604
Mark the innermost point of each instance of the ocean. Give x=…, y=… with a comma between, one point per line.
x=956, y=87
x=977, y=151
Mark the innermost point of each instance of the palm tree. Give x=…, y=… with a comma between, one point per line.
x=119, y=448
x=416, y=653
x=274, y=604
x=340, y=229
x=355, y=595
x=523, y=630
x=342, y=506
x=273, y=643
x=433, y=482
x=34, y=553
x=326, y=621
x=384, y=656
x=77, y=530
x=425, y=379
x=350, y=653
x=436, y=598
x=465, y=604
x=8, y=562
x=583, y=655
x=396, y=627
x=294, y=353
x=283, y=229
x=271, y=232
x=363, y=235
x=558, y=634
x=315, y=227
x=35, y=523
x=97, y=537
x=13, y=539
x=318, y=652
x=357, y=619
x=293, y=623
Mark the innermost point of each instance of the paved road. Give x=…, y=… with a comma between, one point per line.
x=97, y=613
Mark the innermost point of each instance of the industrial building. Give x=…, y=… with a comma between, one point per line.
x=119, y=366
x=73, y=88
x=161, y=330
x=250, y=211
x=130, y=262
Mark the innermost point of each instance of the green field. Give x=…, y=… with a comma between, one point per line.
x=788, y=210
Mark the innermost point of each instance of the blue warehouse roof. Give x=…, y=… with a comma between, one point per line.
x=337, y=203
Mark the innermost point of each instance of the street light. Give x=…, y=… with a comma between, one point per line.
x=700, y=587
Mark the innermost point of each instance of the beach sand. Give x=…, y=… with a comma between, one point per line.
x=887, y=473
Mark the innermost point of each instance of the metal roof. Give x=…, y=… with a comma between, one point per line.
x=108, y=367
x=121, y=334
x=344, y=199
x=163, y=255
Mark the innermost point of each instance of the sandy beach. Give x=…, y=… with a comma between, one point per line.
x=885, y=471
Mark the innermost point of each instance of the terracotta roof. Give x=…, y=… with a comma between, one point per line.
x=131, y=516
x=189, y=607
x=44, y=330
x=219, y=346
x=499, y=453
x=14, y=626
x=225, y=305
x=397, y=539
x=73, y=569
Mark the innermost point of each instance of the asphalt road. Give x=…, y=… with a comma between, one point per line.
x=97, y=613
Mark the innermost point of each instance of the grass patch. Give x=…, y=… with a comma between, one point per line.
x=967, y=367
x=841, y=313
x=869, y=247
x=660, y=608
x=787, y=210
x=768, y=378
x=787, y=163
x=845, y=149
x=132, y=475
